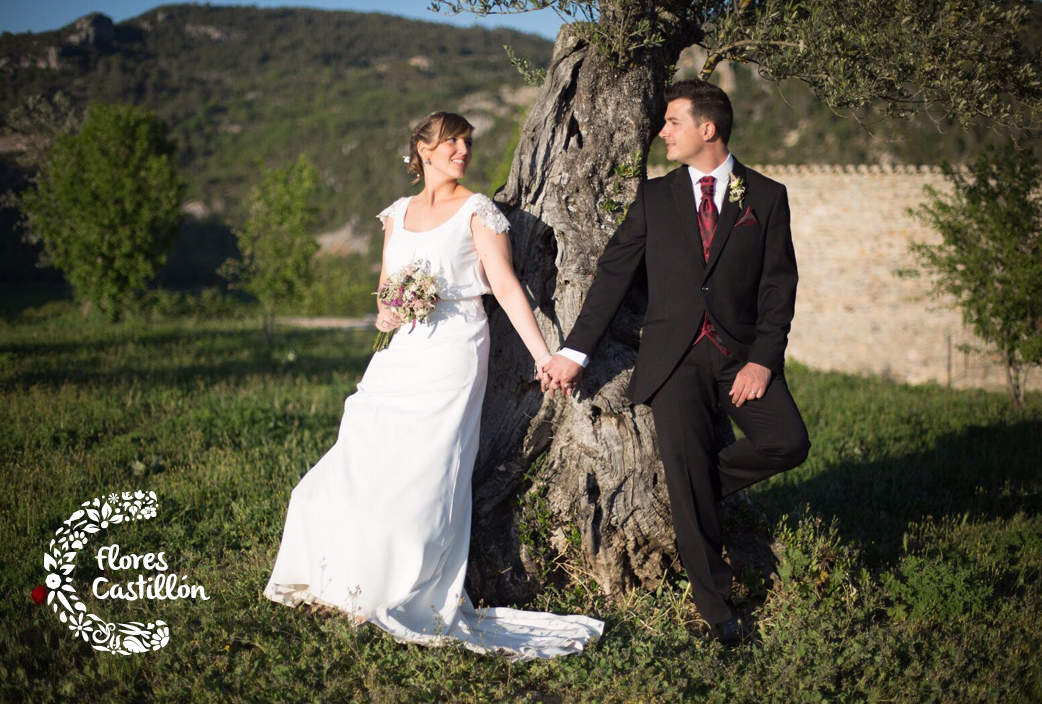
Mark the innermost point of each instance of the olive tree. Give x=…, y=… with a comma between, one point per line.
x=576, y=483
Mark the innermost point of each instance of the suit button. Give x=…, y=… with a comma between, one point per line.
x=705, y=288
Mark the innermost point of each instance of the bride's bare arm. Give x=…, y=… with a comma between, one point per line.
x=385, y=317
x=494, y=251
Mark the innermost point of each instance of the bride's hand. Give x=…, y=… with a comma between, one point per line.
x=387, y=320
x=540, y=365
x=542, y=362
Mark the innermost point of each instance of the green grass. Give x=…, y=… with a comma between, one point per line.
x=911, y=567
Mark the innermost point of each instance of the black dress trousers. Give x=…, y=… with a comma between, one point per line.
x=697, y=477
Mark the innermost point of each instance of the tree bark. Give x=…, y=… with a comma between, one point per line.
x=1015, y=380
x=565, y=486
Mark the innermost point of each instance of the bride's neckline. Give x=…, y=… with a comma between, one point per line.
x=405, y=211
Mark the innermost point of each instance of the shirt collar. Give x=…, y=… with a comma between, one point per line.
x=720, y=173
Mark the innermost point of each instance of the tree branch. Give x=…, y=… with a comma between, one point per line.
x=717, y=56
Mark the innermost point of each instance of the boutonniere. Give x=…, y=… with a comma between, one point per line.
x=736, y=189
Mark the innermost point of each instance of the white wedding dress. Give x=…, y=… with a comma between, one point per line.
x=380, y=526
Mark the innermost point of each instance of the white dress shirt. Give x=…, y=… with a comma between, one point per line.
x=722, y=175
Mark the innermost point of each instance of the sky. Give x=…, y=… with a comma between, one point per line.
x=21, y=16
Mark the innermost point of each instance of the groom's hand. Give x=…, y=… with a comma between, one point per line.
x=560, y=374
x=751, y=382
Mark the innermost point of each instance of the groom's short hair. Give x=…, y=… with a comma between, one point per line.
x=708, y=103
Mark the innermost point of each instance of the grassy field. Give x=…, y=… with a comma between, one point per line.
x=911, y=568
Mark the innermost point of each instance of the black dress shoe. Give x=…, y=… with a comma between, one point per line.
x=728, y=632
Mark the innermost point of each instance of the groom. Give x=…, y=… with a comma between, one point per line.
x=715, y=239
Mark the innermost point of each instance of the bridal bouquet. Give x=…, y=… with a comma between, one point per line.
x=411, y=293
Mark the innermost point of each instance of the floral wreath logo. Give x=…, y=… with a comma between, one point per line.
x=95, y=516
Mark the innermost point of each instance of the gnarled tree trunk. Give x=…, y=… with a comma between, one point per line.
x=560, y=476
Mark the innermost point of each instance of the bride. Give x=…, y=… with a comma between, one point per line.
x=380, y=527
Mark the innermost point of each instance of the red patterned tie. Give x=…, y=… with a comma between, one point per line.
x=708, y=217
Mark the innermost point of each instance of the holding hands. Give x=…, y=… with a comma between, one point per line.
x=559, y=374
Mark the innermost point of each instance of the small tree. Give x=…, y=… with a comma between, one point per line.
x=990, y=256
x=277, y=242
x=106, y=204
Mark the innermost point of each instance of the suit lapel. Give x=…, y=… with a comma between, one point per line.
x=684, y=195
x=728, y=217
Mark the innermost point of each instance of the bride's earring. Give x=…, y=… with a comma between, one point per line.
x=427, y=162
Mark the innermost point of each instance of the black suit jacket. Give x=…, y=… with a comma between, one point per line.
x=748, y=287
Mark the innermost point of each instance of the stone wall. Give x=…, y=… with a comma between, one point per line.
x=851, y=233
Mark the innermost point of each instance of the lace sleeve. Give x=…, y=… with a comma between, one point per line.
x=490, y=214
x=392, y=211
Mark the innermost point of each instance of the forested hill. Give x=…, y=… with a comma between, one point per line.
x=241, y=84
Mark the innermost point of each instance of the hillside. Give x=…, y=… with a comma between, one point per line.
x=238, y=84
x=242, y=86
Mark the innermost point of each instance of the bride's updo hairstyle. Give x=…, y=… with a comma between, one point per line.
x=433, y=130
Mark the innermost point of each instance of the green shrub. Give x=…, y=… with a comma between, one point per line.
x=814, y=561
x=933, y=590
x=339, y=286
x=208, y=303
